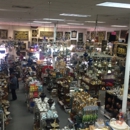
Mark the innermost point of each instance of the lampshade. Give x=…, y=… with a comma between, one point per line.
x=109, y=72
x=99, y=65
x=109, y=65
x=99, y=72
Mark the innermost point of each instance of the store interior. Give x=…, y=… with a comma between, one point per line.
x=64, y=65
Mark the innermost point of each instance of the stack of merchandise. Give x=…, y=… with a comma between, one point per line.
x=35, y=88
x=4, y=103
x=46, y=116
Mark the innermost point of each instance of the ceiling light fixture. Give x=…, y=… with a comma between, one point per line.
x=41, y=22
x=119, y=26
x=54, y=19
x=114, y=4
x=94, y=22
x=75, y=23
x=75, y=15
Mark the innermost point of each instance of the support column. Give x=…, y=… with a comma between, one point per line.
x=55, y=32
x=126, y=79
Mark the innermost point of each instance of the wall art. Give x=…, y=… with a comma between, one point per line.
x=80, y=37
x=46, y=34
x=40, y=40
x=21, y=35
x=67, y=35
x=34, y=40
x=73, y=42
x=59, y=35
x=74, y=34
x=34, y=33
x=123, y=33
x=93, y=35
x=3, y=34
x=88, y=35
x=108, y=35
x=101, y=36
x=117, y=35
x=23, y=46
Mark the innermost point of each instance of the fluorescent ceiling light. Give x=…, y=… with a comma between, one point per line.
x=75, y=23
x=94, y=22
x=119, y=26
x=41, y=22
x=74, y=15
x=54, y=19
x=114, y=4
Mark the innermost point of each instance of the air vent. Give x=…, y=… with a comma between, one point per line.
x=21, y=7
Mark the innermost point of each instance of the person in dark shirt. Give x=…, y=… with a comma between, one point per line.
x=13, y=86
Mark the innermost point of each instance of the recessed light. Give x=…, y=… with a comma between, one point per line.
x=94, y=22
x=75, y=23
x=54, y=19
x=74, y=15
x=41, y=22
x=119, y=26
x=114, y=4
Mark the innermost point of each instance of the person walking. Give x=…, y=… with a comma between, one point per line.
x=13, y=86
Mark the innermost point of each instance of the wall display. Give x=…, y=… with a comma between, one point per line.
x=88, y=35
x=104, y=45
x=74, y=34
x=67, y=35
x=117, y=35
x=80, y=37
x=123, y=33
x=40, y=40
x=73, y=42
x=23, y=46
x=21, y=35
x=34, y=33
x=108, y=35
x=34, y=40
x=59, y=35
x=3, y=34
x=93, y=35
x=101, y=35
x=121, y=50
x=46, y=34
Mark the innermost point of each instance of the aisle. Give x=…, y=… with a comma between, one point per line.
x=21, y=118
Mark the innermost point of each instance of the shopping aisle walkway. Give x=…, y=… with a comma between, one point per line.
x=21, y=118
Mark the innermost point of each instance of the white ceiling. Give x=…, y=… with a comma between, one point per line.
x=41, y=9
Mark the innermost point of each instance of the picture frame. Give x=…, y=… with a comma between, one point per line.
x=3, y=34
x=59, y=35
x=21, y=35
x=123, y=34
x=34, y=40
x=34, y=33
x=46, y=34
x=67, y=35
x=23, y=46
x=80, y=37
x=74, y=34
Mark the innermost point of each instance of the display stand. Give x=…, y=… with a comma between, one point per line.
x=2, y=124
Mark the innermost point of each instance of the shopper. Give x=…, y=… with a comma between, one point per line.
x=13, y=86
